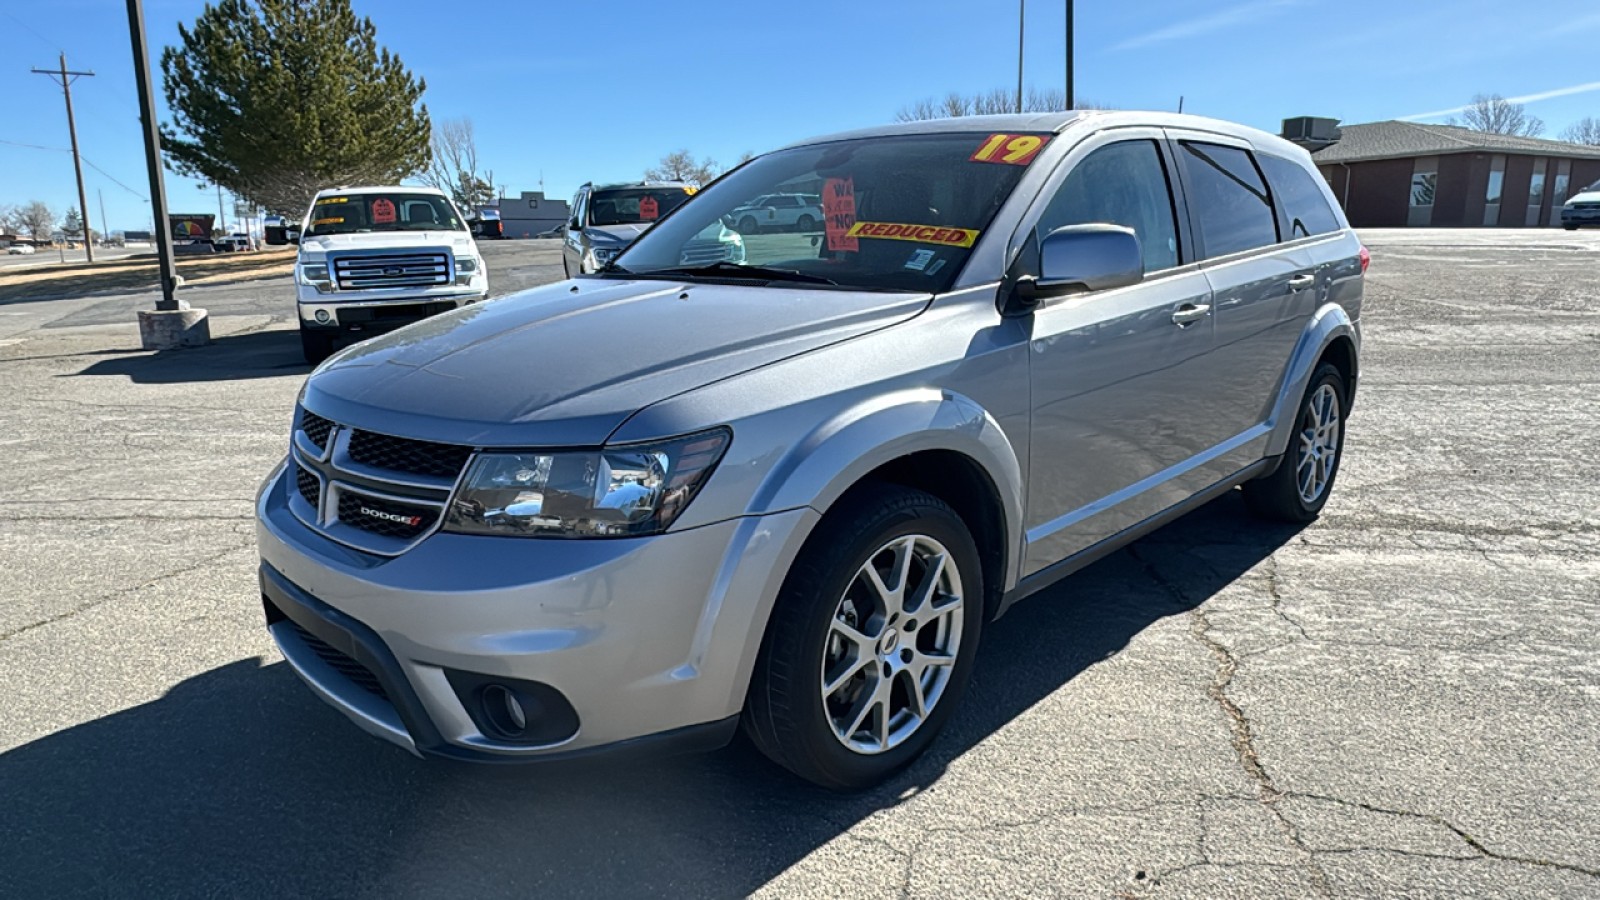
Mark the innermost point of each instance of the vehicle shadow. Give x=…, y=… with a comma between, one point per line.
x=238, y=783
x=234, y=357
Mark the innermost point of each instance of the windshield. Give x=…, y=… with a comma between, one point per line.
x=382, y=212
x=892, y=213
x=632, y=206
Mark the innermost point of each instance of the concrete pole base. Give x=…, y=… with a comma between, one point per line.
x=173, y=329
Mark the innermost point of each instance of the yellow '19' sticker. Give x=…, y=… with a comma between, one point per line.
x=922, y=234
x=336, y=220
x=333, y=200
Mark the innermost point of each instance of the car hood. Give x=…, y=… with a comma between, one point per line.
x=566, y=364
x=1585, y=197
x=621, y=233
x=383, y=240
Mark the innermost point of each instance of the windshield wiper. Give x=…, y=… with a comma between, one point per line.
x=736, y=270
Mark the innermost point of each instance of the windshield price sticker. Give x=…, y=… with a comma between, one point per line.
x=922, y=234
x=336, y=220
x=1011, y=149
x=648, y=209
x=383, y=211
x=333, y=200
x=839, y=213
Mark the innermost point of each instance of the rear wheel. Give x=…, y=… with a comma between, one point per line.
x=805, y=223
x=1298, y=489
x=317, y=346
x=871, y=642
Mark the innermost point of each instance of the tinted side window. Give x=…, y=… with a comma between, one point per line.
x=1228, y=199
x=1123, y=184
x=1303, y=209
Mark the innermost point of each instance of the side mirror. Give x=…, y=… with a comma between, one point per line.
x=1093, y=257
x=293, y=237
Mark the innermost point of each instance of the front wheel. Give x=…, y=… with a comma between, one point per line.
x=871, y=641
x=1298, y=489
x=805, y=224
x=748, y=225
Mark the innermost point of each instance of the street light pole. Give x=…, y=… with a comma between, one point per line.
x=1022, y=10
x=173, y=324
x=1070, y=102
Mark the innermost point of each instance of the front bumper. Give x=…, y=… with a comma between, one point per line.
x=375, y=316
x=650, y=640
x=1580, y=216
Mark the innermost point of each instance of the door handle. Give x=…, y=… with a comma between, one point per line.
x=1190, y=313
x=1301, y=282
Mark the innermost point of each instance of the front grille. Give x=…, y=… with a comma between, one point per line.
x=310, y=488
x=385, y=517
x=382, y=451
x=699, y=253
x=407, y=270
x=316, y=428
x=360, y=675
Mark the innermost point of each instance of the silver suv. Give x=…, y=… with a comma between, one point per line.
x=641, y=508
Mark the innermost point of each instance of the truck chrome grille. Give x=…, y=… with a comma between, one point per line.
x=375, y=492
x=699, y=253
x=398, y=270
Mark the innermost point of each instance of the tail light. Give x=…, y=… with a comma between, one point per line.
x=1366, y=260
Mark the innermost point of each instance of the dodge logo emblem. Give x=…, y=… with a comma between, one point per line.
x=413, y=521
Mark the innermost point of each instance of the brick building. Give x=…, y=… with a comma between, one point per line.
x=1394, y=174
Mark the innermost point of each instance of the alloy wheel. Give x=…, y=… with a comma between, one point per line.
x=892, y=644
x=1319, y=443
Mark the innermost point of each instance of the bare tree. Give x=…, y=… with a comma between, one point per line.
x=679, y=165
x=992, y=102
x=1584, y=131
x=455, y=168
x=36, y=218
x=1495, y=114
x=7, y=218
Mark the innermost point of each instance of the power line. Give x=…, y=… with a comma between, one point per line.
x=31, y=29
x=86, y=161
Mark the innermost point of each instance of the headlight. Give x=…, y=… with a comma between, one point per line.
x=466, y=268
x=620, y=491
x=604, y=255
x=316, y=275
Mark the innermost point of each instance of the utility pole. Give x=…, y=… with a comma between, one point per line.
x=1022, y=10
x=1070, y=103
x=105, y=232
x=66, y=80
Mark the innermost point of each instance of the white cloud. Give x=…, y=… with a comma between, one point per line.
x=1584, y=88
x=1213, y=22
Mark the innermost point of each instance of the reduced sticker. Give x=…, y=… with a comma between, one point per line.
x=922, y=234
x=336, y=220
x=333, y=200
x=383, y=211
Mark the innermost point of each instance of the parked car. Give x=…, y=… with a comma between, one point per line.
x=797, y=497
x=20, y=250
x=606, y=218
x=1583, y=208
x=778, y=212
x=231, y=243
x=375, y=258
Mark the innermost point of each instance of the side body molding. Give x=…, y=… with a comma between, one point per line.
x=821, y=466
x=1329, y=324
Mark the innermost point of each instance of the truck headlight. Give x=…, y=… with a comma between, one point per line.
x=604, y=255
x=466, y=268
x=624, y=490
x=316, y=275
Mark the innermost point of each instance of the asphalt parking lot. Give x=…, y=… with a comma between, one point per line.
x=1402, y=699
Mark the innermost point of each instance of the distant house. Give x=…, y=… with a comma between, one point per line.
x=1393, y=174
x=530, y=214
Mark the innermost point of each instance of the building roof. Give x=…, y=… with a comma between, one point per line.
x=1397, y=140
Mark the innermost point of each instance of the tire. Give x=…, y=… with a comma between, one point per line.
x=566, y=270
x=1570, y=227
x=748, y=225
x=791, y=717
x=805, y=224
x=1288, y=494
x=316, y=346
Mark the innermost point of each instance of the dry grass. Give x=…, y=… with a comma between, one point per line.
x=140, y=273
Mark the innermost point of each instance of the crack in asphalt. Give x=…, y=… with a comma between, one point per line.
x=1243, y=738
x=107, y=598
x=1483, y=851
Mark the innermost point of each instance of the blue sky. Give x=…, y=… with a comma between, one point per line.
x=579, y=91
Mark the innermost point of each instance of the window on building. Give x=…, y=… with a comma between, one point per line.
x=1302, y=204
x=1423, y=187
x=1123, y=184
x=1229, y=198
x=1494, y=190
x=1563, y=183
x=1536, y=195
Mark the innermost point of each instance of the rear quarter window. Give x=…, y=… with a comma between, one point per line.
x=1303, y=209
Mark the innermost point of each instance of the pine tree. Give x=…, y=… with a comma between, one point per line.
x=277, y=99
x=72, y=223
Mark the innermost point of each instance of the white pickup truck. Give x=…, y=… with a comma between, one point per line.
x=375, y=258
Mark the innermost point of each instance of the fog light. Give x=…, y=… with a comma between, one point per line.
x=502, y=707
x=323, y=317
